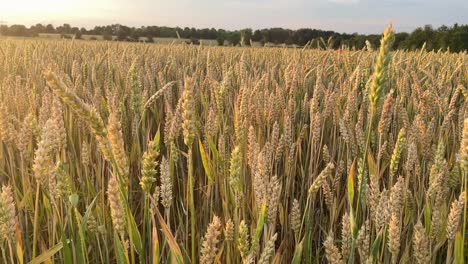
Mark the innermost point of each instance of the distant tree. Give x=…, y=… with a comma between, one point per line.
x=443, y=36
x=400, y=39
x=278, y=35
x=193, y=33
x=3, y=30
x=246, y=36
x=67, y=28
x=185, y=33
x=203, y=33
x=36, y=29
x=50, y=29
x=265, y=36
x=454, y=38
x=302, y=37
x=289, y=41
x=107, y=36
x=459, y=38
x=234, y=38
x=64, y=29
x=122, y=32
x=416, y=39
x=135, y=35
x=167, y=32
x=213, y=33
x=18, y=30
x=257, y=35
x=78, y=35
x=221, y=37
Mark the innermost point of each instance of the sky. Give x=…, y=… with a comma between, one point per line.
x=362, y=16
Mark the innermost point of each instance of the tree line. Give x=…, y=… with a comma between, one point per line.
x=453, y=37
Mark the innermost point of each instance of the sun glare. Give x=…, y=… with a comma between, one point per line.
x=25, y=10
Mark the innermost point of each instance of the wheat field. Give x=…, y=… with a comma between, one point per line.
x=143, y=153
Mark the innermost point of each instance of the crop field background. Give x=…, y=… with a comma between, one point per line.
x=206, y=42
x=141, y=153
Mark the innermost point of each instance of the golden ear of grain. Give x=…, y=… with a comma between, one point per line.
x=83, y=111
x=345, y=236
x=7, y=130
x=380, y=75
x=43, y=163
x=396, y=156
x=189, y=114
x=317, y=183
x=385, y=117
x=116, y=205
x=159, y=93
x=464, y=146
x=363, y=240
x=273, y=199
x=453, y=220
x=115, y=136
x=243, y=242
x=166, y=184
x=394, y=232
x=229, y=231
x=296, y=217
x=235, y=169
x=421, y=244
x=210, y=242
x=268, y=251
x=331, y=251
x=149, y=165
x=85, y=154
x=7, y=214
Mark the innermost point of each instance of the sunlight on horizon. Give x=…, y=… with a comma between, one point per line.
x=339, y=15
x=22, y=8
